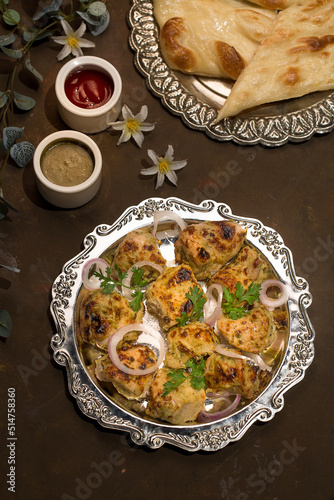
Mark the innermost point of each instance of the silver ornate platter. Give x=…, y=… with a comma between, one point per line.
x=197, y=100
x=295, y=356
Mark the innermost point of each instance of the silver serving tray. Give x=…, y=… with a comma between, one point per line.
x=198, y=100
x=94, y=402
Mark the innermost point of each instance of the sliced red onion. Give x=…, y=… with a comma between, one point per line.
x=135, y=327
x=218, y=395
x=273, y=349
x=205, y=416
x=126, y=291
x=255, y=358
x=92, y=282
x=267, y=301
x=210, y=319
x=167, y=215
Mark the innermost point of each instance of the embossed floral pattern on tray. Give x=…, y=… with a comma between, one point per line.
x=181, y=99
x=96, y=404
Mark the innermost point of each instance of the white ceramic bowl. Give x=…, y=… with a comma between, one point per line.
x=94, y=120
x=63, y=196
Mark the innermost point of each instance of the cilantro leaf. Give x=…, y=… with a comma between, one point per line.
x=198, y=299
x=138, y=277
x=137, y=298
x=197, y=373
x=175, y=378
x=193, y=372
x=108, y=284
x=121, y=276
x=106, y=280
x=235, y=305
x=182, y=321
x=252, y=294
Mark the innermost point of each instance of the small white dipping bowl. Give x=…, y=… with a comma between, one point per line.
x=94, y=120
x=64, y=196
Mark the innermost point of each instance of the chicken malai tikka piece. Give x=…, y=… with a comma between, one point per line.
x=102, y=314
x=240, y=376
x=247, y=267
x=138, y=245
x=253, y=332
x=166, y=296
x=207, y=246
x=192, y=341
x=179, y=406
x=133, y=356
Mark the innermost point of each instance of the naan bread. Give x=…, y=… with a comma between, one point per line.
x=215, y=38
x=295, y=59
x=274, y=4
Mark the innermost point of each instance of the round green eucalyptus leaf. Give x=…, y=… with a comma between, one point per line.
x=97, y=9
x=7, y=39
x=3, y=98
x=24, y=102
x=6, y=324
x=11, y=17
x=33, y=70
x=22, y=152
x=101, y=26
x=8, y=205
x=33, y=34
x=90, y=20
x=17, y=54
x=10, y=268
x=10, y=136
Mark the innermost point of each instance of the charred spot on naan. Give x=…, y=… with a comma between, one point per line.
x=231, y=62
x=179, y=55
x=314, y=5
x=291, y=77
x=273, y=4
x=312, y=44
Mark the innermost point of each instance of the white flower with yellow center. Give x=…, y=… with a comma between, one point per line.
x=72, y=40
x=165, y=166
x=133, y=125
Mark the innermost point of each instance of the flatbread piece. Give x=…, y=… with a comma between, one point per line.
x=215, y=38
x=295, y=59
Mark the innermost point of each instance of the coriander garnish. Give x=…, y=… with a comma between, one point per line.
x=108, y=284
x=198, y=300
x=235, y=304
x=193, y=372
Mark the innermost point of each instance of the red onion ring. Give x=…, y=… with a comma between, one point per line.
x=167, y=215
x=255, y=358
x=135, y=327
x=267, y=301
x=211, y=319
x=206, y=416
x=126, y=291
x=92, y=282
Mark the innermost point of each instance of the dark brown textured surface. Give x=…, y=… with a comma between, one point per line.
x=60, y=454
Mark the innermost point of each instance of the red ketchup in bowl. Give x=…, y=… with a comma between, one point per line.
x=88, y=88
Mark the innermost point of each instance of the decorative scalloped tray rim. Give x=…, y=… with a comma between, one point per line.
x=94, y=403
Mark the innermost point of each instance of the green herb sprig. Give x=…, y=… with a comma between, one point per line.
x=108, y=284
x=198, y=300
x=235, y=305
x=193, y=372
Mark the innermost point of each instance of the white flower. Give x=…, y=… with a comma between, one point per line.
x=165, y=166
x=72, y=40
x=133, y=126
